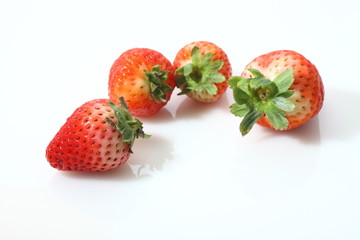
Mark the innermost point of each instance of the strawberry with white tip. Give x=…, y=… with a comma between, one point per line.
x=97, y=137
x=281, y=90
x=202, y=71
x=144, y=78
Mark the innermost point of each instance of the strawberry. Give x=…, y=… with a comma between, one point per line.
x=280, y=90
x=98, y=136
x=145, y=78
x=202, y=70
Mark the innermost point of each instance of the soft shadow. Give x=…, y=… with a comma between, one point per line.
x=98, y=195
x=149, y=156
x=309, y=133
x=337, y=120
x=123, y=172
x=192, y=109
x=340, y=115
x=160, y=117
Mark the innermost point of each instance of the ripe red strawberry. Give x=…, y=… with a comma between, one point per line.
x=280, y=90
x=202, y=70
x=98, y=136
x=145, y=78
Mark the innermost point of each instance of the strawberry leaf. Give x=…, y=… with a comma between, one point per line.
x=180, y=71
x=188, y=69
x=273, y=89
x=186, y=90
x=256, y=73
x=195, y=55
x=180, y=80
x=284, y=80
x=128, y=135
x=258, y=96
x=244, y=86
x=210, y=89
x=165, y=87
x=276, y=118
x=216, y=78
x=233, y=81
x=113, y=125
x=249, y=120
x=239, y=110
x=259, y=82
x=129, y=127
x=213, y=66
x=123, y=104
x=283, y=104
x=286, y=94
x=158, y=87
x=201, y=74
x=240, y=96
x=206, y=59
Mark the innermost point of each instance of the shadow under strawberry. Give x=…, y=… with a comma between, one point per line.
x=123, y=172
x=151, y=156
x=308, y=133
x=98, y=195
x=163, y=116
x=190, y=109
x=339, y=118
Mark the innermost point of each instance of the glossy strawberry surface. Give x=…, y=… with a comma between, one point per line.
x=308, y=87
x=184, y=57
x=98, y=136
x=128, y=79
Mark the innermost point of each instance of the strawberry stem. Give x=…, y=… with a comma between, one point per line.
x=156, y=79
x=129, y=127
x=258, y=96
x=201, y=74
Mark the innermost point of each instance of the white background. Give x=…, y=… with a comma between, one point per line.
x=197, y=177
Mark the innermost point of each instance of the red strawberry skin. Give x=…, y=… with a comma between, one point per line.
x=86, y=142
x=127, y=79
x=183, y=57
x=308, y=86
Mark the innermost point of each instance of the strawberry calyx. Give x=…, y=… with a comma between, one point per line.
x=258, y=96
x=129, y=127
x=201, y=74
x=156, y=79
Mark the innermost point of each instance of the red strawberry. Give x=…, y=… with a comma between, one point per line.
x=202, y=70
x=145, y=78
x=97, y=137
x=280, y=90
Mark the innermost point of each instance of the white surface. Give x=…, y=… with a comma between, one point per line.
x=196, y=178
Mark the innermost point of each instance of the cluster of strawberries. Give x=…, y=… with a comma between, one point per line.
x=281, y=90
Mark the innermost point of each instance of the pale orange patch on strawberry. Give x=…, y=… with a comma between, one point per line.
x=127, y=79
x=309, y=91
x=86, y=142
x=183, y=57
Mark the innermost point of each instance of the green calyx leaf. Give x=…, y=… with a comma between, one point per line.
x=201, y=74
x=249, y=120
x=233, y=81
x=129, y=127
x=276, y=117
x=283, y=104
x=156, y=79
x=255, y=73
x=239, y=110
x=284, y=80
x=258, y=96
